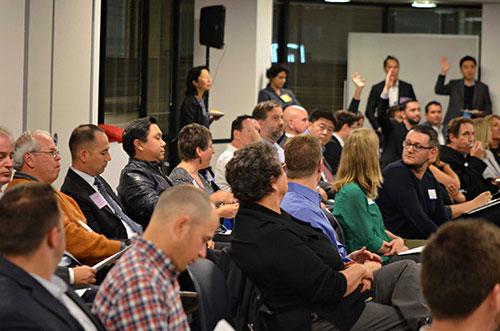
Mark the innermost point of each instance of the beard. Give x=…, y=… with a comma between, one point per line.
x=275, y=135
x=413, y=122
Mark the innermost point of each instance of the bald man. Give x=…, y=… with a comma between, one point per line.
x=296, y=121
x=141, y=292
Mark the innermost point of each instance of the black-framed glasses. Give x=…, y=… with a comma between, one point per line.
x=416, y=146
x=55, y=153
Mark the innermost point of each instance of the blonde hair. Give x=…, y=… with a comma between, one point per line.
x=359, y=162
x=482, y=130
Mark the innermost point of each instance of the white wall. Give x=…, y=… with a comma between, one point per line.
x=490, y=52
x=12, y=25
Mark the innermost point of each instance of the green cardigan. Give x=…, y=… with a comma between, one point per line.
x=360, y=218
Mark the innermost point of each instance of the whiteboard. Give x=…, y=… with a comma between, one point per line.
x=418, y=55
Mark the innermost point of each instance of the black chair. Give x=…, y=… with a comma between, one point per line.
x=213, y=295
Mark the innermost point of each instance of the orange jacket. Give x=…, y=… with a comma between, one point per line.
x=88, y=247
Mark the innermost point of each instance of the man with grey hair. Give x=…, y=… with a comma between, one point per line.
x=6, y=154
x=141, y=291
x=36, y=158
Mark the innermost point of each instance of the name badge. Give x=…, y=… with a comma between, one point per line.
x=98, y=199
x=286, y=98
x=432, y=194
x=370, y=201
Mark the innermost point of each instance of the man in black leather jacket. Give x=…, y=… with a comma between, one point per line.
x=144, y=178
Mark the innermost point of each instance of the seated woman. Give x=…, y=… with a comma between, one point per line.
x=274, y=90
x=300, y=273
x=195, y=151
x=357, y=183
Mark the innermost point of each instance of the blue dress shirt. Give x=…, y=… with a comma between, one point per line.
x=305, y=204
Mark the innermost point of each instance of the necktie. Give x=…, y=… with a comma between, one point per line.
x=137, y=228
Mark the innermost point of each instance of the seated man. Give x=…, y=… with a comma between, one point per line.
x=434, y=119
x=461, y=277
x=141, y=292
x=145, y=175
x=31, y=244
x=463, y=155
x=300, y=273
x=269, y=114
x=244, y=130
x=295, y=121
x=345, y=122
x=410, y=199
x=89, y=148
x=36, y=159
x=6, y=153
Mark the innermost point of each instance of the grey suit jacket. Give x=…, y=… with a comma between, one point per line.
x=455, y=89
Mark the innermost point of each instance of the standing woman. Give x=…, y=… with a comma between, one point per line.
x=194, y=107
x=357, y=183
x=274, y=90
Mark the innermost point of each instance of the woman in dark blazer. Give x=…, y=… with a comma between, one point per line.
x=300, y=274
x=194, y=107
x=274, y=90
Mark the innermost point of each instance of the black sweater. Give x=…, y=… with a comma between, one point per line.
x=296, y=268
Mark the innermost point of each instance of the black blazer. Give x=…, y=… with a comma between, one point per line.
x=332, y=153
x=455, y=89
x=191, y=112
x=405, y=92
x=26, y=305
x=104, y=220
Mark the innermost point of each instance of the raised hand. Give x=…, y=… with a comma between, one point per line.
x=358, y=80
x=445, y=65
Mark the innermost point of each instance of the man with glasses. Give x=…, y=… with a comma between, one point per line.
x=395, y=132
x=36, y=159
x=463, y=153
x=410, y=199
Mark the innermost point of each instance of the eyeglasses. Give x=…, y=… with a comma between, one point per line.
x=55, y=153
x=328, y=129
x=416, y=146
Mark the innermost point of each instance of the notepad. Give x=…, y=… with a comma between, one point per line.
x=107, y=261
x=485, y=206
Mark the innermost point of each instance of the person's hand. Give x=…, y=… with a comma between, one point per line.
x=211, y=244
x=445, y=65
x=389, y=81
x=228, y=210
x=366, y=285
x=357, y=80
x=222, y=197
x=362, y=255
x=478, y=150
x=372, y=266
x=397, y=246
x=324, y=196
x=482, y=199
x=84, y=275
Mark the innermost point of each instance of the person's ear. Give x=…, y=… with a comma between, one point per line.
x=52, y=238
x=274, y=184
x=83, y=154
x=494, y=299
x=181, y=226
x=138, y=145
x=29, y=160
x=198, y=152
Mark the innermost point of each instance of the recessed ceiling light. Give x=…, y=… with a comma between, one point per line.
x=423, y=4
x=338, y=1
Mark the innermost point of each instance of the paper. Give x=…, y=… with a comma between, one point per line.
x=109, y=260
x=487, y=205
x=223, y=325
x=413, y=251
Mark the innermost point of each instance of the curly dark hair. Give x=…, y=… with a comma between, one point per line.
x=191, y=136
x=251, y=170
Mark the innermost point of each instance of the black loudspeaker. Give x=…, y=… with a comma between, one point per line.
x=212, y=20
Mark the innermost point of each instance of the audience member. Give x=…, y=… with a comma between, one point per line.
x=195, y=150
x=461, y=277
x=359, y=85
x=409, y=199
x=296, y=121
x=244, y=131
x=37, y=159
x=300, y=272
x=345, y=122
x=6, y=154
x=397, y=92
x=395, y=132
x=145, y=175
x=463, y=153
x=434, y=118
x=495, y=136
x=483, y=134
x=89, y=148
x=275, y=91
x=465, y=94
x=32, y=242
x=357, y=184
x=141, y=292
x=194, y=107
x=269, y=115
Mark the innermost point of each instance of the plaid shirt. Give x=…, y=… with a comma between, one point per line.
x=141, y=292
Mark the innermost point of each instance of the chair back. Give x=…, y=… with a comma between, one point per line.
x=213, y=295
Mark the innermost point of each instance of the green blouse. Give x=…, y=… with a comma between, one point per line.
x=360, y=218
